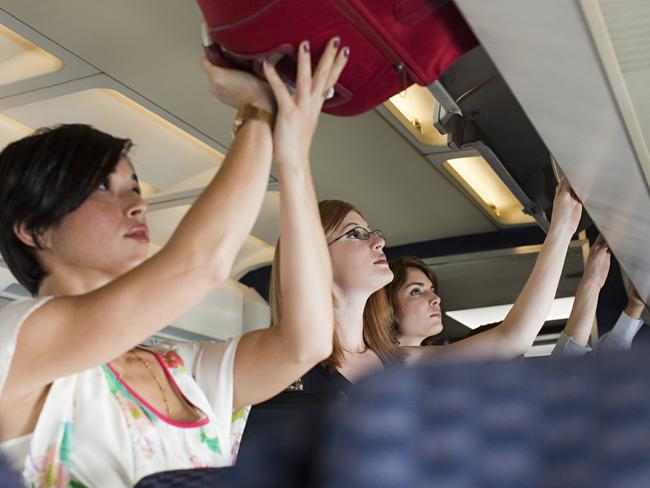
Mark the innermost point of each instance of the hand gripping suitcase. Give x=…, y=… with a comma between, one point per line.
x=394, y=43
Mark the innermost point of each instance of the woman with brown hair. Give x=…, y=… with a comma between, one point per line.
x=414, y=300
x=413, y=295
x=358, y=298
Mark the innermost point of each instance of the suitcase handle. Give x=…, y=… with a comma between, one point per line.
x=283, y=57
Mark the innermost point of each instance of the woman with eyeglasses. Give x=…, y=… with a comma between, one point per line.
x=363, y=342
x=82, y=404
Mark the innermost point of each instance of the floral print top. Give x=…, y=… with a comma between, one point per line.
x=94, y=430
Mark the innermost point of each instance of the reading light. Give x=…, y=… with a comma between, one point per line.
x=479, y=180
x=414, y=108
x=21, y=59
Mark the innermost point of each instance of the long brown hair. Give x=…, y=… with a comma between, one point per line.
x=400, y=267
x=377, y=316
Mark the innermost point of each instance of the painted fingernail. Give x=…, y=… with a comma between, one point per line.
x=266, y=63
x=336, y=43
x=305, y=47
x=346, y=52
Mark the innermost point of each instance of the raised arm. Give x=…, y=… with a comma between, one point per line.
x=635, y=305
x=102, y=324
x=577, y=330
x=620, y=337
x=268, y=360
x=518, y=330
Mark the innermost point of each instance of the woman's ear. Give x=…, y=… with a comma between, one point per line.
x=28, y=238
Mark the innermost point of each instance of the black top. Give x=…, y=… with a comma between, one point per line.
x=281, y=431
x=322, y=379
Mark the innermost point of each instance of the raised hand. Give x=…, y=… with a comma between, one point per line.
x=597, y=266
x=236, y=88
x=298, y=114
x=567, y=209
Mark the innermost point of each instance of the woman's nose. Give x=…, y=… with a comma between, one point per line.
x=136, y=206
x=378, y=242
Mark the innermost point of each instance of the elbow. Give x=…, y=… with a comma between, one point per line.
x=313, y=354
x=312, y=349
x=520, y=347
x=218, y=274
x=219, y=267
x=513, y=345
x=208, y=268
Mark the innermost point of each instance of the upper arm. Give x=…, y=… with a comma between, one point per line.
x=263, y=367
x=74, y=333
x=12, y=318
x=490, y=344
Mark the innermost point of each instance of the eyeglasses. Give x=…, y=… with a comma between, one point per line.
x=360, y=233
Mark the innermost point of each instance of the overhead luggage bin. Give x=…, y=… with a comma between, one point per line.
x=552, y=59
x=479, y=111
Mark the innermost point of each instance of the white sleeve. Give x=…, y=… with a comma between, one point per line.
x=621, y=336
x=566, y=346
x=12, y=318
x=214, y=371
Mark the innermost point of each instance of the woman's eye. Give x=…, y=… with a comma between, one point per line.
x=415, y=291
x=103, y=186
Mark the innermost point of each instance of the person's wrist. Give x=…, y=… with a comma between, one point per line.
x=634, y=310
x=590, y=287
x=249, y=112
x=265, y=103
x=293, y=162
x=559, y=230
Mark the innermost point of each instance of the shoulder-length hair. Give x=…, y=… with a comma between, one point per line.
x=377, y=315
x=400, y=267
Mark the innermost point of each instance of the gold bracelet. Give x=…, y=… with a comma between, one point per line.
x=248, y=112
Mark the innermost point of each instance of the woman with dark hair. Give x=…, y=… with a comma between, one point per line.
x=414, y=300
x=82, y=404
x=413, y=295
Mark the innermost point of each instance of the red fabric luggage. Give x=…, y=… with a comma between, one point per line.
x=394, y=43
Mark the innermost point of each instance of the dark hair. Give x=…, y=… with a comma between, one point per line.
x=400, y=267
x=44, y=177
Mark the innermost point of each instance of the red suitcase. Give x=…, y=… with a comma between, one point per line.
x=394, y=43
